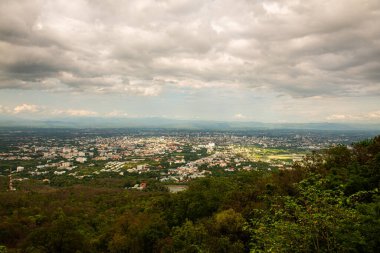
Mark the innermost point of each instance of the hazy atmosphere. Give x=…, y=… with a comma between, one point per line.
x=164, y=126
x=270, y=61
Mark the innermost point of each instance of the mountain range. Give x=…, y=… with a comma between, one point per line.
x=158, y=122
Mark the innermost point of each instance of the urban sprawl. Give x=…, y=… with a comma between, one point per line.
x=169, y=157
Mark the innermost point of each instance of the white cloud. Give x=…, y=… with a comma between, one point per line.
x=80, y=112
x=152, y=90
x=370, y=116
x=336, y=117
x=74, y=112
x=116, y=114
x=342, y=117
x=373, y=115
x=240, y=116
x=26, y=108
x=5, y=109
x=38, y=110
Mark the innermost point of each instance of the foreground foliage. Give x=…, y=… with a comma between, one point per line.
x=329, y=202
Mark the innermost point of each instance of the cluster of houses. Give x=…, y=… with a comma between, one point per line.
x=129, y=154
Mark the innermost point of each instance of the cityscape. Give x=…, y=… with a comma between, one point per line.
x=189, y=126
x=172, y=157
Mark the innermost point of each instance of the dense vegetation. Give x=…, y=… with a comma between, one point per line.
x=329, y=202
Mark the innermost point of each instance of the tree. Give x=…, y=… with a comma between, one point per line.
x=60, y=237
x=314, y=220
x=189, y=237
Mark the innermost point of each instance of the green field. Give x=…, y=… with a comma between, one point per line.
x=255, y=154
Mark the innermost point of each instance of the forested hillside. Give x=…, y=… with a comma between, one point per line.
x=329, y=202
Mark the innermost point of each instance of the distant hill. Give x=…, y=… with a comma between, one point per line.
x=157, y=122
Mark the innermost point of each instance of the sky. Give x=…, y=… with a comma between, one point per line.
x=227, y=60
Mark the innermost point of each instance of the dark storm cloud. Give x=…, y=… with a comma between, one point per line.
x=300, y=48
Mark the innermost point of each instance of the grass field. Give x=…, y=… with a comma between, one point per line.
x=267, y=154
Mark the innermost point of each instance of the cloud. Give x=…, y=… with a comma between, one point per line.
x=370, y=116
x=240, y=116
x=343, y=117
x=4, y=109
x=26, y=108
x=299, y=48
x=74, y=112
x=21, y=109
x=374, y=115
x=116, y=114
x=38, y=110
